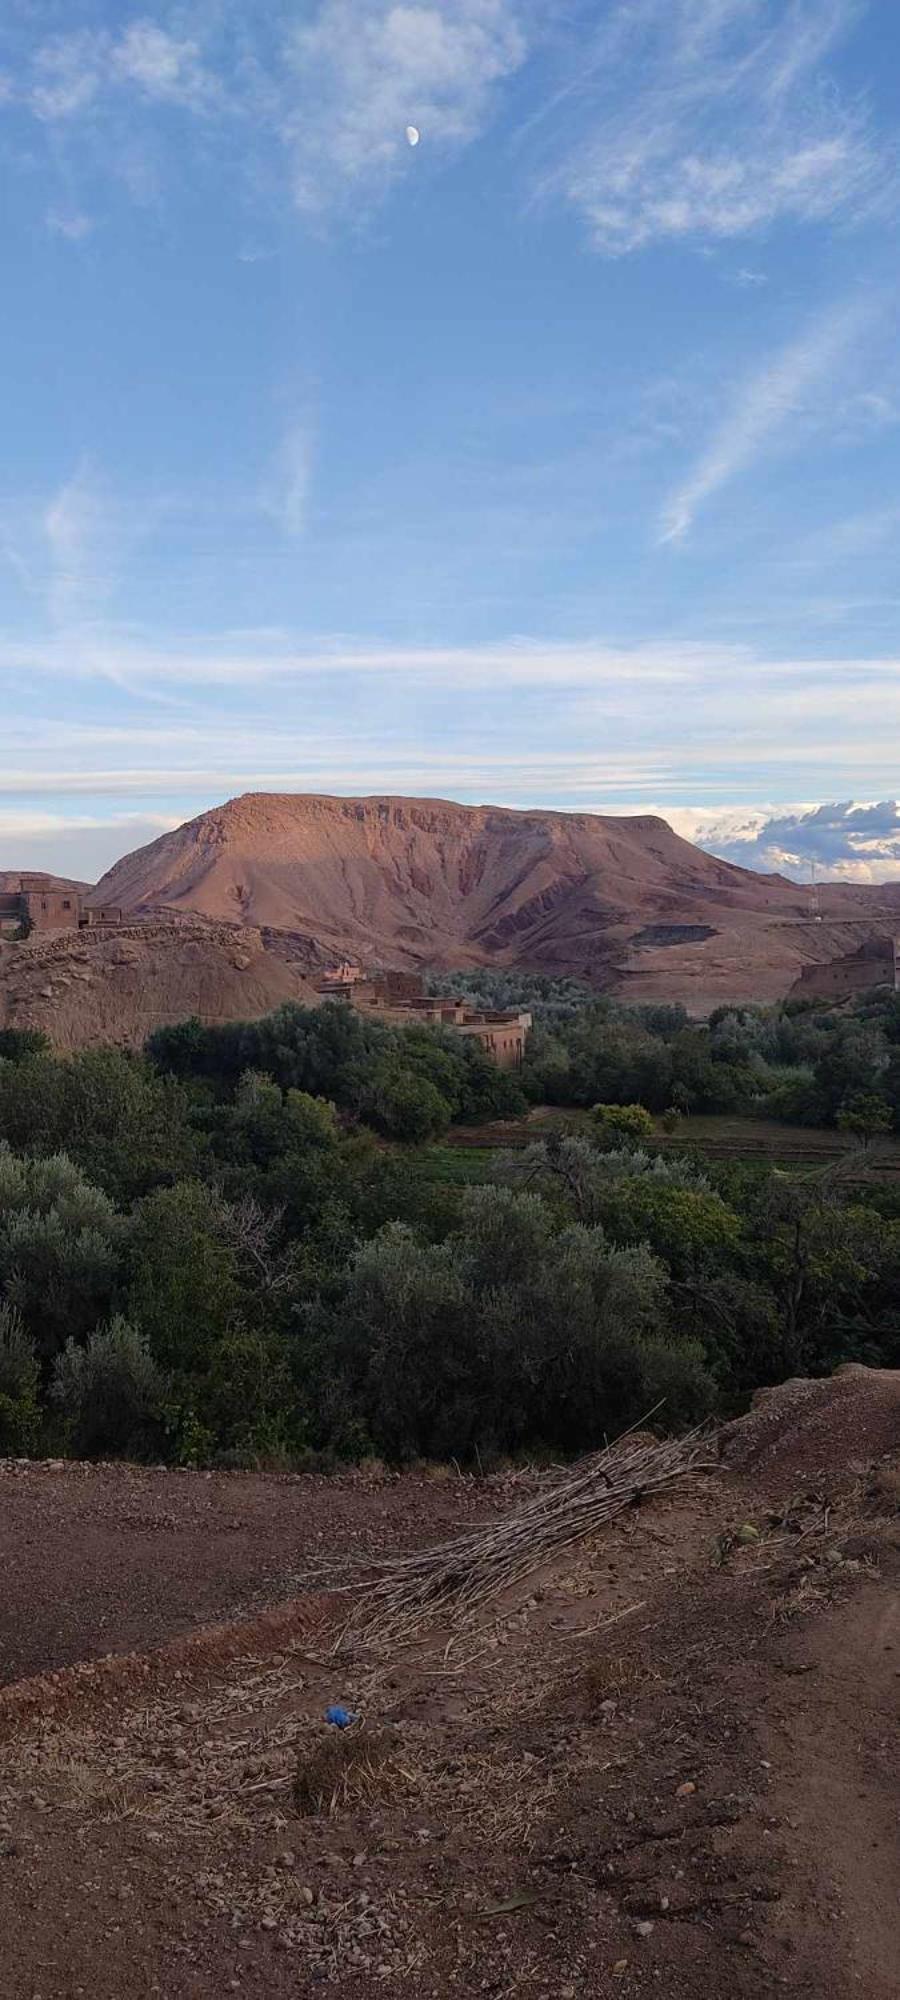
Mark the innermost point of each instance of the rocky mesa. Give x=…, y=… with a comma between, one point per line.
x=621, y=901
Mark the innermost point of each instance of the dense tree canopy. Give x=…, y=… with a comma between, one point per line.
x=232, y=1248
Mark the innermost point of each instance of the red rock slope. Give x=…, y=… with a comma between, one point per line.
x=623, y=901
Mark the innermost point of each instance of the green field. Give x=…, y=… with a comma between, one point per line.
x=467, y=1155
x=457, y=1166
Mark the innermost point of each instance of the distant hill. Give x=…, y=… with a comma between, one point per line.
x=622, y=901
x=14, y=879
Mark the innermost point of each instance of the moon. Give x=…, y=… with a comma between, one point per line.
x=412, y=135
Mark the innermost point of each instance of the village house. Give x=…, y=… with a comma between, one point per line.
x=400, y=998
x=35, y=907
x=875, y=963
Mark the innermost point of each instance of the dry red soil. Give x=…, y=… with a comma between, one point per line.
x=666, y=1764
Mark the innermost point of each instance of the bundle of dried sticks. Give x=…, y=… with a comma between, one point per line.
x=458, y=1578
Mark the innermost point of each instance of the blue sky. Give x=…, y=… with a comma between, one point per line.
x=554, y=460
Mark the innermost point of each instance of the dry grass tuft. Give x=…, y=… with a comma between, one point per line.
x=346, y=1769
x=883, y=1491
x=616, y=1680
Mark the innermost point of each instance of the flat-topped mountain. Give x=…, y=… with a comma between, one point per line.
x=620, y=900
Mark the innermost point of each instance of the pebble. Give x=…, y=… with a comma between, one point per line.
x=644, y=1929
x=684, y=1791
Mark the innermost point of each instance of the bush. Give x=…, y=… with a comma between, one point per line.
x=616, y=1122
x=111, y=1394
x=186, y=1290
x=512, y=1333
x=18, y=1044
x=19, y=1381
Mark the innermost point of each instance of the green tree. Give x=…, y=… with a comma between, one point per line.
x=185, y=1292
x=867, y=1116
x=111, y=1394
x=126, y=1128
x=404, y=1106
x=61, y=1248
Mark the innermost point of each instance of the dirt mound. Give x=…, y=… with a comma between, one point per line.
x=403, y=882
x=117, y=986
x=818, y=1432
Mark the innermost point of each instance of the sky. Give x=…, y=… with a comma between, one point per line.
x=554, y=460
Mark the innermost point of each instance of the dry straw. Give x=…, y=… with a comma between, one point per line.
x=457, y=1579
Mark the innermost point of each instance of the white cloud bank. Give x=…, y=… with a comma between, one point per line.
x=847, y=842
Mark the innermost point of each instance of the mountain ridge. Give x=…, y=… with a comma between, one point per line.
x=410, y=882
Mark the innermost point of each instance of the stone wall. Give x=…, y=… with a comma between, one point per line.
x=874, y=964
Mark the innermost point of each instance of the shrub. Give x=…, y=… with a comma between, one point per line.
x=867, y=1116
x=18, y=1044
x=19, y=1379
x=616, y=1122
x=111, y=1393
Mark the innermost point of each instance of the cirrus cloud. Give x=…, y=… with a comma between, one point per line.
x=715, y=119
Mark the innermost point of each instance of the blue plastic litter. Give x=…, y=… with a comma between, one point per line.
x=339, y=1716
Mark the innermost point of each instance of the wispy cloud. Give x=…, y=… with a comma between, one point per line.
x=71, y=71
x=230, y=662
x=714, y=119
x=855, y=536
x=334, y=89
x=75, y=527
x=71, y=223
x=286, y=491
x=163, y=66
x=772, y=399
x=362, y=70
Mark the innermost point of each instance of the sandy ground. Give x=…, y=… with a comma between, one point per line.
x=664, y=1765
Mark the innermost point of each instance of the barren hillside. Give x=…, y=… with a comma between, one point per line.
x=81, y=987
x=418, y=881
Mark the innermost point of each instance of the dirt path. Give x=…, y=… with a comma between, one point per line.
x=836, y=1745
